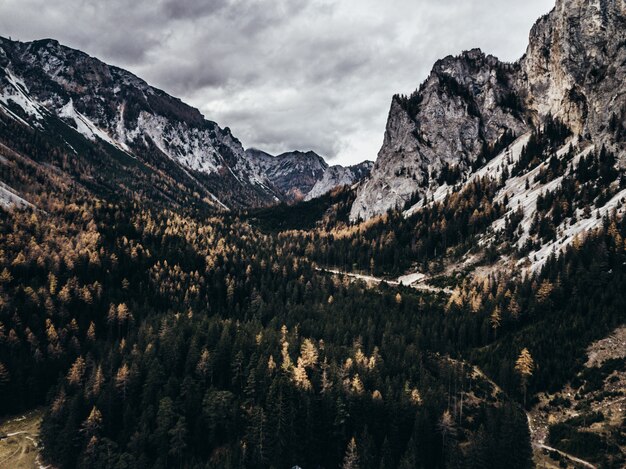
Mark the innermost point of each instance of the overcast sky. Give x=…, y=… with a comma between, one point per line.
x=282, y=74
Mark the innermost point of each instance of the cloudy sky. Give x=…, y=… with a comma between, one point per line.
x=282, y=74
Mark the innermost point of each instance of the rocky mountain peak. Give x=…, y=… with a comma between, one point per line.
x=575, y=65
x=303, y=175
x=472, y=106
x=107, y=104
x=466, y=106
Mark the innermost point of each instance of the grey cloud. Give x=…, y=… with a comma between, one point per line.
x=282, y=74
x=192, y=9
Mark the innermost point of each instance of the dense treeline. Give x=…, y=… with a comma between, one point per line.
x=164, y=340
x=179, y=343
x=451, y=226
x=579, y=297
x=160, y=337
x=390, y=244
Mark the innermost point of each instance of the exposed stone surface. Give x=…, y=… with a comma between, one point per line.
x=339, y=176
x=574, y=69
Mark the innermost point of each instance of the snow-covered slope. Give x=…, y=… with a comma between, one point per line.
x=10, y=199
x=521, y=193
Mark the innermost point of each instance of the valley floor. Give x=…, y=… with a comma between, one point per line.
x=19, y=441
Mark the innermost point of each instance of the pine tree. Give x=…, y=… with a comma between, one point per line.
x=300, y=377
x=447, y=428
x=202, y=368
x=5, y=377
x=92, y=425
x=496, y=319
x=308, y=353
x=122, y=378
x=351, y=458
x=91, y=332
x=409, y=458
x=525, y=366
x=178, y=443
x=76, y=372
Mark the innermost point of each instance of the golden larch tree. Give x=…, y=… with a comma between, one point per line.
x=524, y=366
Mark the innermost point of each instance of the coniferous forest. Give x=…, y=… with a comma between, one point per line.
x=160, y=338
x=169, y=299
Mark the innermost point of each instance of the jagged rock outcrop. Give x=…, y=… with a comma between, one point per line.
x=339, y=176
x=293, y=174
x=575, y=67
x=470, y=106
x=300, y=175
x=466, y=105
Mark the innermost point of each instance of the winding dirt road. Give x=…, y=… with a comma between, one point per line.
x=537, y=439
x=404, y=280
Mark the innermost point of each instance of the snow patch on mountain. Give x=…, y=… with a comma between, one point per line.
x=17, y=93
x=86, y=127
x=583, y=225
x=10, y=199
x=338, y=176
x=191, y=147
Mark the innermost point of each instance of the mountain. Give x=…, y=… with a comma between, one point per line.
x=477, y=320
x=303, y=175
x=293, y=174
x=61, y=92
x=471, y=107
x=337, y=176
x=84, y=106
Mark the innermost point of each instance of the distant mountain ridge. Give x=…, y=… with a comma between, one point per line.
x=337, y=176
x=304, y=175
x=131, y=124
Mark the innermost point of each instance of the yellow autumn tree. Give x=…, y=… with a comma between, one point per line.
x=300, y=377
x=122, y=379
x=524, y=366
x=351, y=458
x=308, y=353
x=76, y=373
x=496, y=319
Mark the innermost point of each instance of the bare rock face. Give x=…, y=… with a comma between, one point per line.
x=575, y=67
x=465, y=107
x=471, y=105
x=298, y=176
x=339, y=176
x=293, y=174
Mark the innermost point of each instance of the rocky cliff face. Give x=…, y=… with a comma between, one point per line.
x=464, y=108
x=473, y=105
x=339, y=176
x=575, y=66
x=300, y=176
x=293, y=174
